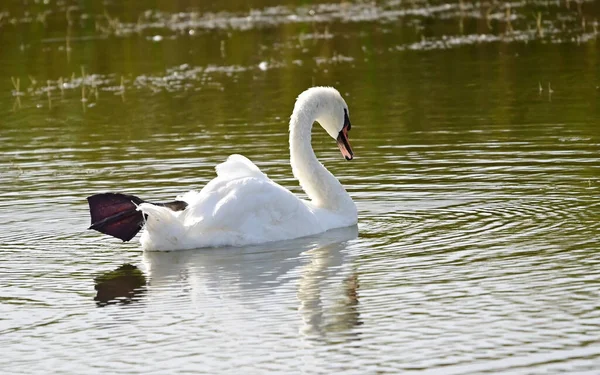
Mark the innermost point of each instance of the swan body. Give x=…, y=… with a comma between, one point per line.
x=243, y=206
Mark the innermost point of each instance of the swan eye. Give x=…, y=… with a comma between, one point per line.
x=347, y=120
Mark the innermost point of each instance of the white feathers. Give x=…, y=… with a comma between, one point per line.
x=242, y=206
x=238, y=166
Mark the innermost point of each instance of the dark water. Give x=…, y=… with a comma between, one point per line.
x=476, y=134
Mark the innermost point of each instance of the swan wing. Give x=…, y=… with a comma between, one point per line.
x=240, y=206
x=242, y=199
x=252, y=204
x=238, y=166
x=234, y=168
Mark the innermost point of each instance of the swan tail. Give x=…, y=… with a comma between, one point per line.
x=165, y=228
x=118, y=215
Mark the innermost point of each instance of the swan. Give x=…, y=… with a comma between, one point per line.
x=242, y=206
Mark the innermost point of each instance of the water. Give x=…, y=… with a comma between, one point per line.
x=476, y=136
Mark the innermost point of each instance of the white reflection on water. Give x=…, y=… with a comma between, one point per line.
x=326, y=287
x=321, y=312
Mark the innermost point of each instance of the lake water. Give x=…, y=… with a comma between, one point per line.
x=476, y=133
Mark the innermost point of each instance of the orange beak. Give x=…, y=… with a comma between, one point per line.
x=343, y=142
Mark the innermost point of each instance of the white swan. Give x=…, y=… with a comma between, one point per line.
x=242, y=206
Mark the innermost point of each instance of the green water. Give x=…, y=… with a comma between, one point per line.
x=475, y=128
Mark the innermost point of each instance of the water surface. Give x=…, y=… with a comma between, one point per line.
x=475, y=129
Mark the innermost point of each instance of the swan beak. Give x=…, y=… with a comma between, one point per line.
x=343, y=143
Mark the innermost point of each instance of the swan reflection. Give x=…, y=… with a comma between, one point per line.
x=328, y=293
x=313, y=274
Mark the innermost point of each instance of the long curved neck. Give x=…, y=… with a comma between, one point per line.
x=323, y=189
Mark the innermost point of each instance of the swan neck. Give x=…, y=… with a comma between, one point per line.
x=302, y=156
x=323, y=189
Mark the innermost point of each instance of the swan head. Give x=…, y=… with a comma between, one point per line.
x=332, y=113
